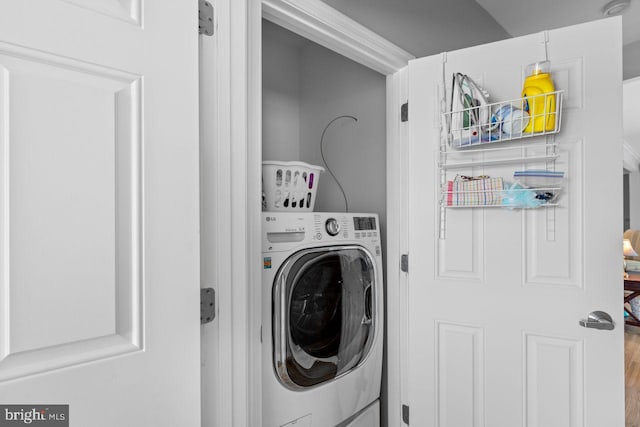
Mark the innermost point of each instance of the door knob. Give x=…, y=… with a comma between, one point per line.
x=598, y=320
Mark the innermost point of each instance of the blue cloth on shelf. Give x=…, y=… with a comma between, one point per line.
x=517, y=196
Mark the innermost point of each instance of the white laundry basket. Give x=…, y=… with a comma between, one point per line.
x=289, y=186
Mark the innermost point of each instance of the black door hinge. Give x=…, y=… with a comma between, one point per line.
x=404, y=263
x=405, y=414
x=404, y=112
x=205, y=18
x=207, y=305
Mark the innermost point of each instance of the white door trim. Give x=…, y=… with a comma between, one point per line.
x=324, y=25
x=231, y=150
x=397, y=244
x=230, y=111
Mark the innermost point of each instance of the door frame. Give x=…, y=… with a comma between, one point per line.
x=229, y=126
x=231, y=157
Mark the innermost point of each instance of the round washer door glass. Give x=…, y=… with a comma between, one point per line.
x=324, y=314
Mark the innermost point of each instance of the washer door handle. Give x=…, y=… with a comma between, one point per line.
x=368, y=306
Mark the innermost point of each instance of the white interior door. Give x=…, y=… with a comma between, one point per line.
x=494, y=305
x=99, y=252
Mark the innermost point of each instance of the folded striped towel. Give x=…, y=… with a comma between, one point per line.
x=476, y=192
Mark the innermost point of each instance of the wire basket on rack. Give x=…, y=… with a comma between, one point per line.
x=289, y=186
x=505, y=121
x=463, y=192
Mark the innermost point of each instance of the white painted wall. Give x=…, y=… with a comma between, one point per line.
x=332, y=86
x=280, y=93
x=631, y=117
x=634, y=200
x=631, y=113
x=631, y=60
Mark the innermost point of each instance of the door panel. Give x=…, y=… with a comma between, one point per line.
x=126, y=10
x=72, y=196
x=99, y=210
x=461, y=373
x=554, y=389
x=554, y=238
x=494, y=303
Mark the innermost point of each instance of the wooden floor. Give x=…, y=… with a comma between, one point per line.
x=632, y=377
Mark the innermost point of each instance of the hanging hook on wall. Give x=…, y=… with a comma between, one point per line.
x=346, y=203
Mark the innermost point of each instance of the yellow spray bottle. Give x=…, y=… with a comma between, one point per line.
x=539, y=99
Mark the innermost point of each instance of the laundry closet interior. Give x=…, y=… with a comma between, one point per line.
x=322, y=234
x=304, y=87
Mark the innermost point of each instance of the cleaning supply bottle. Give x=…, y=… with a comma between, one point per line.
x=539, y=99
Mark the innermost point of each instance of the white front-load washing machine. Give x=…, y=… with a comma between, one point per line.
x=322, y=321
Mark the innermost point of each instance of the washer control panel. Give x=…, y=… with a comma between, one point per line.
x=281, y=230
x=345, y=226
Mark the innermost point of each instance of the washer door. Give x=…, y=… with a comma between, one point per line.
x=324, y=314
